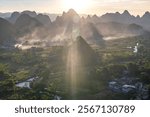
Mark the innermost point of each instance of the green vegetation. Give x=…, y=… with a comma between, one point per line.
x=49, y=64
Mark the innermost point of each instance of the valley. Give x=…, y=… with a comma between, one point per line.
x=49, y=65
x=73, y=58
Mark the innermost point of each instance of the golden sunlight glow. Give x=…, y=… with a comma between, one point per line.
x=78, y=5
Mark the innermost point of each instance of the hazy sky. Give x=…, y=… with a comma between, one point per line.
x=81, y=6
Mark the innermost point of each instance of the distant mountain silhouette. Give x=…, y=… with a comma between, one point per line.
x=12, y=19
x=26, y=24
x=30, y=13
x=14, y=16
x=69, y=25
x=44, y=19
x=95, y=18
x=7, y=33
x=126, y=13
x=115, y=28
x=94, y=28
x=65, y=23
x=52, y=16
x=90, y=32
x=135, y=27
x=146, y=15
x=71, y=17
x=127, y=18
x=5, y=15
x=72, y=25
x=144, y=21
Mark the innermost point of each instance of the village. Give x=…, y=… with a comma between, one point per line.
x=130, y=85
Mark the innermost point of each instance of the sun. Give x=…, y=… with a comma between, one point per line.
x=78, y=5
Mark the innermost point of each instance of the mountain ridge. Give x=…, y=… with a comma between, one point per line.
x=69, y=25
